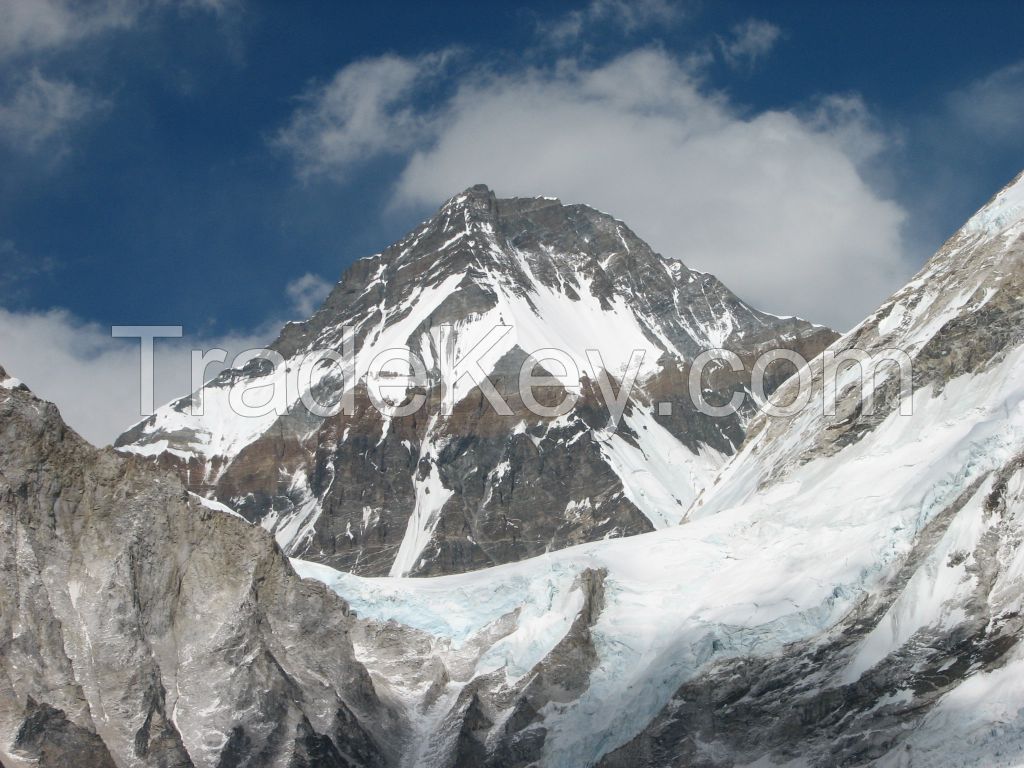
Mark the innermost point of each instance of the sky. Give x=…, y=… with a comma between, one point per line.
x=216, y=164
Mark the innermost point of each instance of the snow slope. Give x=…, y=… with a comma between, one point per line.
x=746, y=581
x=884, y=549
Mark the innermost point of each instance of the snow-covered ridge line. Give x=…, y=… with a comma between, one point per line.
x=540, y=315
x=1004, y=211
x=9, y=382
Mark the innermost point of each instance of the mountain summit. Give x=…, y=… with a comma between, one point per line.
x=447, y=490
x=848, y=591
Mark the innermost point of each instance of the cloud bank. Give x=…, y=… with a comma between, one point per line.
x=95, y=379
x=773, y=203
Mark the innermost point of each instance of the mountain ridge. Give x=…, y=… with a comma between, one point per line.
x=143, y=626
x=549, y=275
x=849, y=592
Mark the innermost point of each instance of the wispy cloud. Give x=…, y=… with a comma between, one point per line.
x=848, y=121
x=19, y=269
x=621, y=16
x=307, y=293
x=365, y=110
x=39, y=112
x=748, y=43
x=33, y=26
x=217, y=7
x=40, y=103
x=39, y=26
x=992, y=107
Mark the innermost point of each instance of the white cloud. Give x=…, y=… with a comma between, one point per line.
x=622, y=16
x=217, y=7
x=749, y=42
x=19, y=268
x=307, y=293
x=992, y=107
x=30, y=26
x=38, y=26
x=364, y=110
x=772, y=203
x=94, y=379
x=40, y=111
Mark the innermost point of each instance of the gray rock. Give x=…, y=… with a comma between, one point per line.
x=140, y=628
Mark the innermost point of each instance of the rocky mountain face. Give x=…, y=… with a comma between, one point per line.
x=849, y=592
x=452, y=490
x=143, y=626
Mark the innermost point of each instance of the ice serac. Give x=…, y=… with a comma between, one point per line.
x=140, y=628
x=432, y=493
x=849, y=591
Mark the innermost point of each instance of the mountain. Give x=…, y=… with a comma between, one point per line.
x=456, y=488
x=850, y=591
x=143, y=626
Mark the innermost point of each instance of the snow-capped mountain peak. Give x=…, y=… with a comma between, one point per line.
x=495, y=281
x=848, y=590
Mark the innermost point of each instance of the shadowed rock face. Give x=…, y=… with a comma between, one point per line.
x=431, y=494
x=49, y=737
x=141, y=628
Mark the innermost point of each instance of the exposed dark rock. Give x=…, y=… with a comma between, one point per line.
x=49, y=738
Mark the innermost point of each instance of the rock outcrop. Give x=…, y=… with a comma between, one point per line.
x=143, y=626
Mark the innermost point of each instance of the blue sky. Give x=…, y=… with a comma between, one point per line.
x=218, y=163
